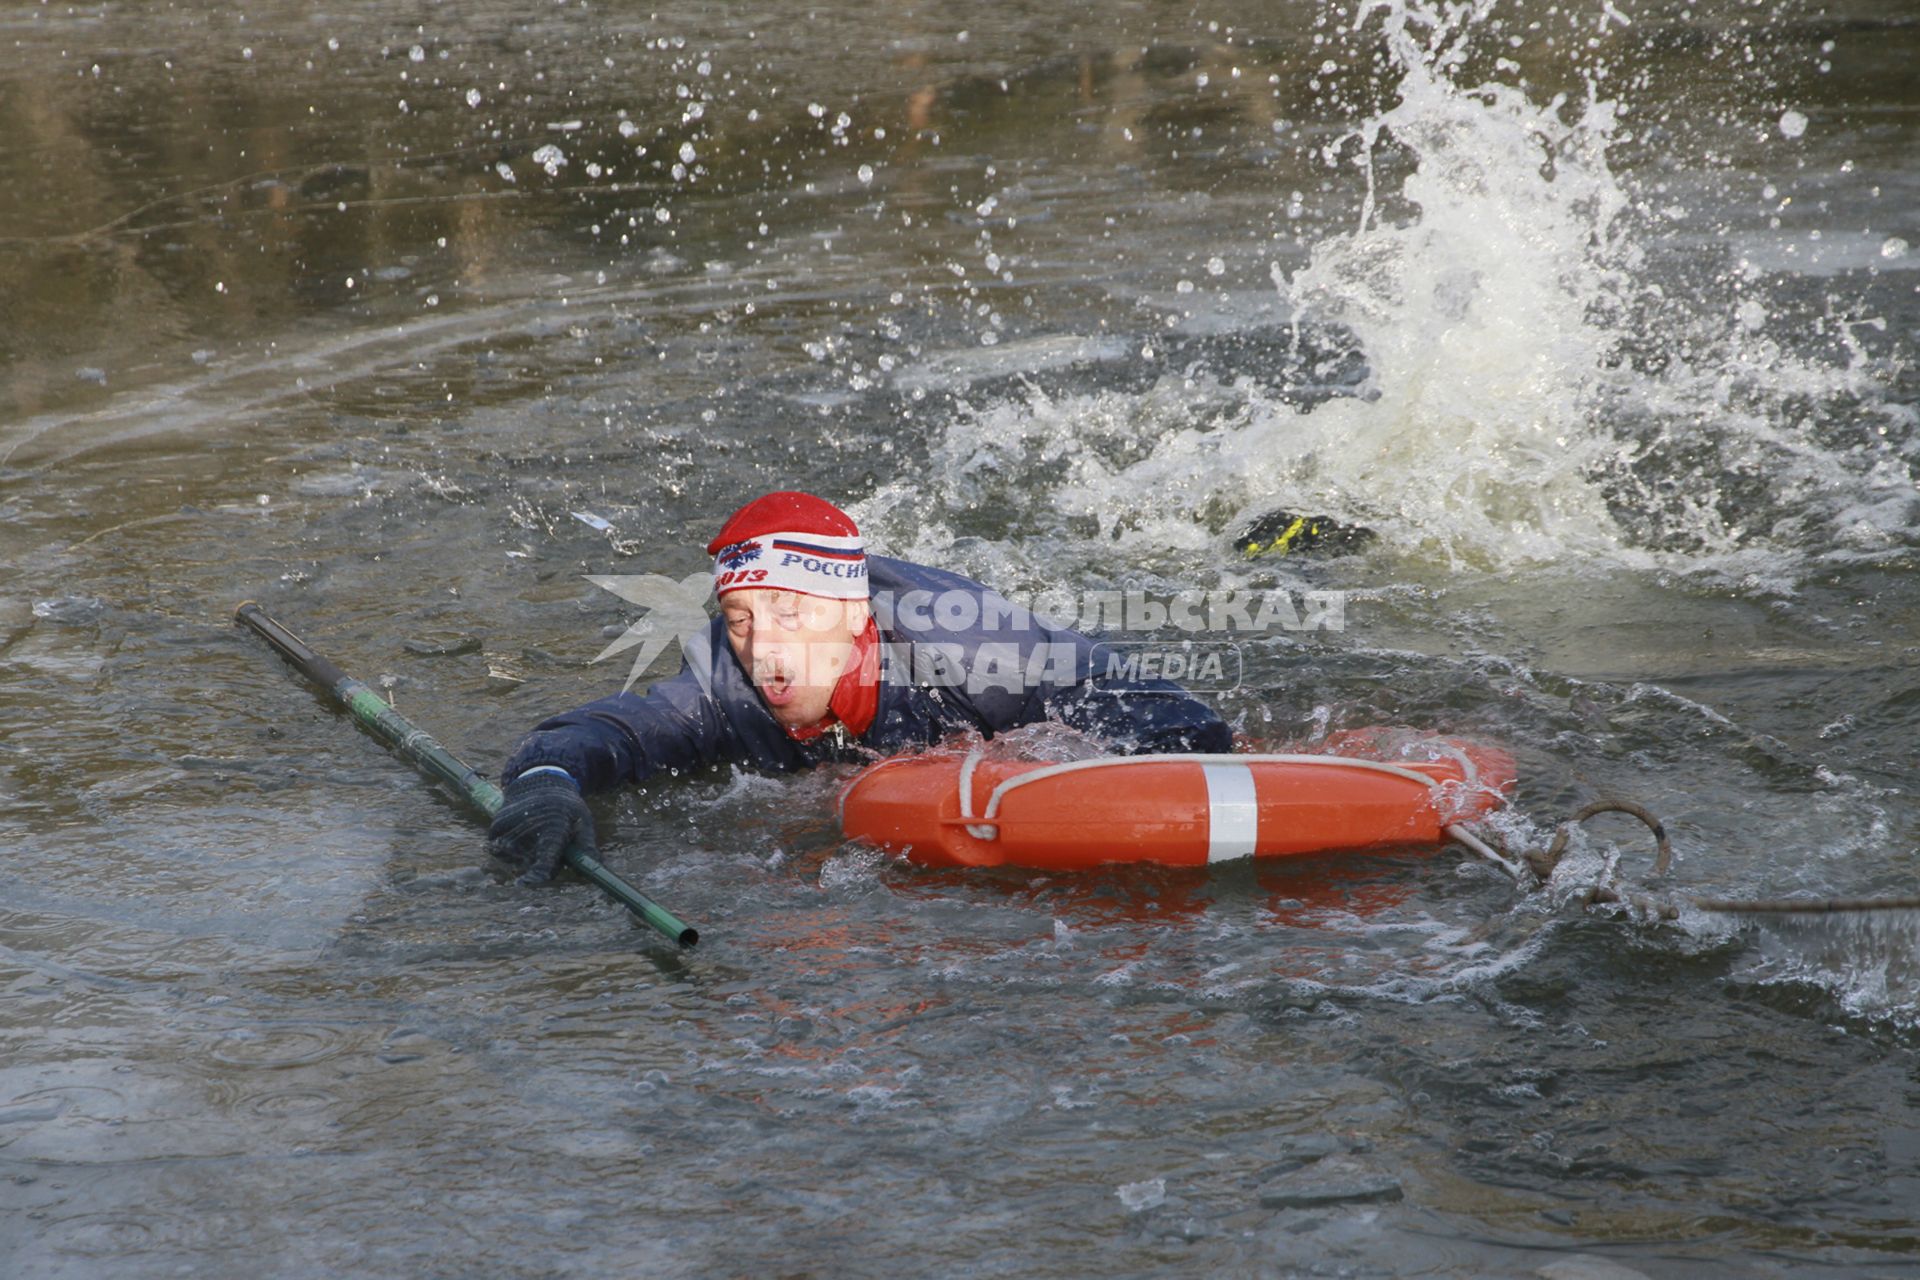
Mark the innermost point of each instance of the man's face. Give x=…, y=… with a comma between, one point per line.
x=794, y=647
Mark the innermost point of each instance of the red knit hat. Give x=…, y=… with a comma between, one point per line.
x=790, y=542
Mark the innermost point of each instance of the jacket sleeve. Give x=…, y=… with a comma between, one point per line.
x=629, y=737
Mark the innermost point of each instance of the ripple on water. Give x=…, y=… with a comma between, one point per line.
x=289, y=1044
x=105, y=1235
x=59, y=1100
x=288, y=1104
x=132, y=1233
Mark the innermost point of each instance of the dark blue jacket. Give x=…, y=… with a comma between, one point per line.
x=955, y=658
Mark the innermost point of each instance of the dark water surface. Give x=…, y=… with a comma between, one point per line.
x=349, y=309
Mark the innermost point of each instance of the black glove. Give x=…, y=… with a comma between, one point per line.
x=543, y=814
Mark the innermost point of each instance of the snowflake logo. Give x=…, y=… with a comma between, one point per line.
x=675, y=611
x=736, y=554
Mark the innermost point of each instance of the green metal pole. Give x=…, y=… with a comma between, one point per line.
x=392, y=728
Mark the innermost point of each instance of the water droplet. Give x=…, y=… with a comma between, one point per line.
x=1216, y=266
x=473, y=97
x=1894, y=247
x=1792, y=124
x=865, y=174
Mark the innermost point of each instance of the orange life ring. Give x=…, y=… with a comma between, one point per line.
x=954, y=808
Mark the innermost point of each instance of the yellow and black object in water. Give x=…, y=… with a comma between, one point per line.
x=1281, y=533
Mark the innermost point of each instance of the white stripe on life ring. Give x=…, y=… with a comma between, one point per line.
x=1233, y=812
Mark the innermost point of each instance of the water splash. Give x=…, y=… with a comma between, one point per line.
x=1868, y=962
x=1476, y=317
x=1537, y=392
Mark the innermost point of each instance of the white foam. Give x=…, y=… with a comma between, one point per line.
x=1869, y=963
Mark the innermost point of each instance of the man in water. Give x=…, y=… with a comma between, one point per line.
x=822, y=652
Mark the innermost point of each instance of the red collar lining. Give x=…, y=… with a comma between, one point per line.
x=856, y=696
